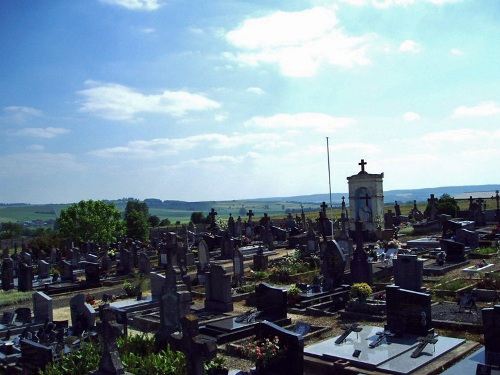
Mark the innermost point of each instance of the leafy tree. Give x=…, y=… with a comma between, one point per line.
x=137, y=225
x=91, y=221
x=445, y=205
x=242, y=211
x=165, y=222
x=197, y=217
x=135, y=204
x=11, y=230
x=153, y=220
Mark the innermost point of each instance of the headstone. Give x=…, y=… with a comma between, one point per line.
x=292, y=362
x=231, y=225
x=433, y=210
x=42, y=307
x=491, y=327
x=82, y=314
x=455, y=251
x=203, y=256
x=333, y=264
x=238, y=267
x=407, y=311
x=92, y=272
x=409, y=272
x=271, y=302
x=157, y=284
x=260, y=262
x=218, y=290
x=415, y=213
x=144, y=264
x=43, y=269
x=469, y=238
x=227, y=249
x=25, y=279
x=35, y=356
x=126, y=261
x=361, y=269
x=66, y=271
x=7, y=274
x=53, y=255
x=312, y=241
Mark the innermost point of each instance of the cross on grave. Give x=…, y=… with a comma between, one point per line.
x=212, y=215
x=423, y=341
x=347, y=331
x=367, y=198
x=195, y=347
x=250, y=214
x=343, y=221
x=362, y=164
x=324, y=206
x=497, y=198
x=381, y=336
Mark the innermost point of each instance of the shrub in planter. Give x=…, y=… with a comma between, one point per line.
x=216, y=366
x=360, y=291
x=293, y=295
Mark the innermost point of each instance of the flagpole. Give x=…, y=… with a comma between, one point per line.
x=329, y=180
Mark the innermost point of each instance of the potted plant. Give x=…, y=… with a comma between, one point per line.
x=360, y=291
x=216, y=366
x=293, y=295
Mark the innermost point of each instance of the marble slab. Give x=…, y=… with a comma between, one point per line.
x=393, y=355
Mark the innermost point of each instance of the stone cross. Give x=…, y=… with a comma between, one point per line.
x=250, y=214
x=362, y=164
x=423, y=341
x=324, y=206
x=212, y=215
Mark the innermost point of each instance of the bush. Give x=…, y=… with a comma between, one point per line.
x=361, y=291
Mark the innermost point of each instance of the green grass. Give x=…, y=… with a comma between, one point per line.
x=12, y=297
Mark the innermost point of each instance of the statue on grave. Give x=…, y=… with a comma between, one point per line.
x=365, y=214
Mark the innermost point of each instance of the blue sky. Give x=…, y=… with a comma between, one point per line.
x=215, y=100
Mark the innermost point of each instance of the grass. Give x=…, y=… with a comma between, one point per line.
x=486, y=250
x=12, y=297
x=456, y=284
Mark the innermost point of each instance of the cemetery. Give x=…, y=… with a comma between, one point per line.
x=346, y=296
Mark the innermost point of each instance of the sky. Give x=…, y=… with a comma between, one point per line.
x=226, y=99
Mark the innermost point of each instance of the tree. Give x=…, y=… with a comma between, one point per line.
x=445, y=205
x=137, y=225
x=242, y=211
x=11, y=230
x=153, y=220
x=136, y=219
x=91, y=221
x=165, y=222
x=197, y=217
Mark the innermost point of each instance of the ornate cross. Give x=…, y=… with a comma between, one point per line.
x=362, y=163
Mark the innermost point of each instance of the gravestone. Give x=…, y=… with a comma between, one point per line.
x=271, y=302
x=7, y=274
x=25, y=279
x=42, y=307
x=312, y=241
x=35, y=356
x=407, y=311
x=92, y=272
x=333, y=264
x=144, y=263
x=409, y=272
x=361, y=269
x=43, y=269
x=203, y=256
x=218, y=290
x=491, y=326
x=292, y=362
x=238, y=267
x=157, y=282
x=415, y=213
x=53, y=255
x=125, y=261
x=260, y=261
x=469, y=238
x=227, y=249
x=82, y=314
x=66, y=271
x=455, y=251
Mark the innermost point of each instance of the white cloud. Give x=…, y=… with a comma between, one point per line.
x=38, y=164
x=36, y=148
x=148, y=5
x=411, y=116
x=116, y=102
x=159, y=147
x=451, y=136
x=456, y=52
x=365, y=147
x=298, y=42
x=489, y=108
x=256, y=90
x=42, y=132
x=390, y=3
x=410, y=46
x=301, y=121
x=21, y=113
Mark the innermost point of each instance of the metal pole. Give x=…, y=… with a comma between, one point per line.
x=329, y=180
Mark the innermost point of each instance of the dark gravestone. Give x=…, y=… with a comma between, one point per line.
x=238, y=267
x=157, y=282
x=23, y=315
x=43, y=269
x=175, y=301
x=407, y=311
x=292, y=362
x=203, y=256
x=218, y=290
x=35, y=356
x=7, y=274
x=92, y=272
x=361, y=269
x=409, y=272
x=227, y=249
x=469, y=238
x=82, y=314
x=144, y=264
x=260, y=262
x=42, y=307
x=66, y=271
x=455, y=251
x=25, y=280
x=126, y=261
x=271, y=302
x=491, y=326
x=333, y=264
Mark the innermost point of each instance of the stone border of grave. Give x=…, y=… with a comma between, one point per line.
x=453, y=293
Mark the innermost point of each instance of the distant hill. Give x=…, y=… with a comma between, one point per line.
x=402, y=196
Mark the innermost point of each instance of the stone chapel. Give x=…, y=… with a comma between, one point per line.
x=366, y=199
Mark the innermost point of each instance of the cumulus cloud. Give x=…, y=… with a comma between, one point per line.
x=410, y=46
x=147, y=5
x=319, y=122
x=255, y=90
x=483, y=109
x=411, y=116
x=112, y=101
x=42, y=132
x=298, y=42
x=21, y=113
x=38, y=164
